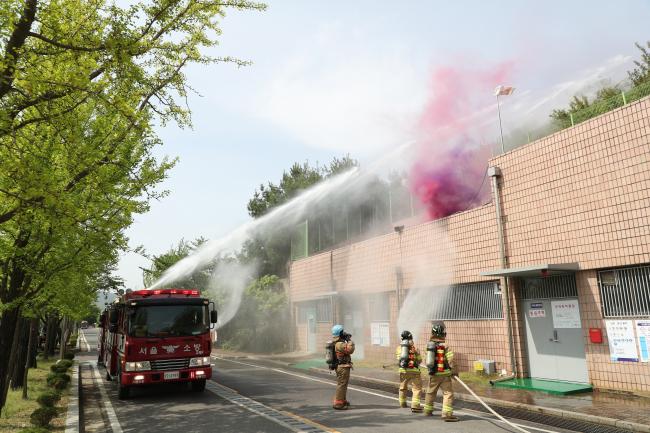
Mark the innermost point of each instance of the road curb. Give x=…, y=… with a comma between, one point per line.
x=73, y=418
x=569, y=415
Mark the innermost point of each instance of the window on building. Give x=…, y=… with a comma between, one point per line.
x=552, y=287
x=321, y=310
x=304, y=309
x=474, y=301
x=324, y=310
x=379, y=307
x=625, y=292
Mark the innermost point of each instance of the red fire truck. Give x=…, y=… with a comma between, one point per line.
x=157, y=336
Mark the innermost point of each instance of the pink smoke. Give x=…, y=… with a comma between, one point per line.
x=452, y=153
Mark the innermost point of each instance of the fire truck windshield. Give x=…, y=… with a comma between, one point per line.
x=168, y=321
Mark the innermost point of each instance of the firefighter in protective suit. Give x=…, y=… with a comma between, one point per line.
x=343, y=347
x=441, y=370
x=409, y=360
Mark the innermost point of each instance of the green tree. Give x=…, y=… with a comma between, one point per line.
x=81, y=86
x=272, y=250
x=262, y=322
x=160, y=263
x=641, y=73
x=563, y=117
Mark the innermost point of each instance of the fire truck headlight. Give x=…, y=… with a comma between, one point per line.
x=137, y=366
x=197, y=362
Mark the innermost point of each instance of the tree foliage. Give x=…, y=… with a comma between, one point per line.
x=160, y=263
x=262, y=322
x=82, y=84
x=641, y=74
x=606, y=98
x=298, y=178
x=272, y=250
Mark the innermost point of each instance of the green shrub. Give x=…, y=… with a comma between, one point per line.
x=60, y=384
x=56, y=368
x=68, y=363
x=58, y=380
x=69, y=355
x=42, y=416
x=34, y=430
x=61, y=366
x=48, y=398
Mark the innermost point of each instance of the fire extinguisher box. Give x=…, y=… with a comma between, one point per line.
x=595, y=335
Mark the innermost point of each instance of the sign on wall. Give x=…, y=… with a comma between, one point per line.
x=566, y=314
x=622, y=344
x=380, y=334
x=643, y=338
x=536, y=313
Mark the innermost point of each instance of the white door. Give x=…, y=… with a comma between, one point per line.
x=556, y=348
x=311, y=331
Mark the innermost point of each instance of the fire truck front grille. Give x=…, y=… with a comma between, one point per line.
x=170, y=364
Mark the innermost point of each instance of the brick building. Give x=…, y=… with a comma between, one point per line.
x=575, y=227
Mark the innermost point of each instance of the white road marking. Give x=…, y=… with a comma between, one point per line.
x=72, y=417
x=83, y=337
x=268, y=413
x=469, y=412
x=108, y=407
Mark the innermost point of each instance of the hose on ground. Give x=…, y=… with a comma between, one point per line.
x=488, y=407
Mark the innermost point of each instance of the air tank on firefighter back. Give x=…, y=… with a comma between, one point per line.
x=404, y=353
x=431, y=355
x=329, y=352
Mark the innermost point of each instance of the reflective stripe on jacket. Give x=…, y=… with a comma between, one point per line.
x=343, y=350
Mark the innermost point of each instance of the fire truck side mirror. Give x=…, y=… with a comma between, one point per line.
x=112, y=319
x=213, y=316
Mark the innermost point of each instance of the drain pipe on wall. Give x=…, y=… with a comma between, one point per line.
x=495, y=174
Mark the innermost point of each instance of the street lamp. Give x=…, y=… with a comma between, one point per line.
x=502, y=91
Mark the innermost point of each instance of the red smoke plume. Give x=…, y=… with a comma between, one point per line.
x=452, y=153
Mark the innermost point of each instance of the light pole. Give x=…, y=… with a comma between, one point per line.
x=502, y=91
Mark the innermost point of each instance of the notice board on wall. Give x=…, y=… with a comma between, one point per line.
x=566, y=314
x=622, y=343
x=643, y=338
x=380, y=333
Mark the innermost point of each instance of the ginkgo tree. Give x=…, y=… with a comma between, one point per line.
x=82, y=84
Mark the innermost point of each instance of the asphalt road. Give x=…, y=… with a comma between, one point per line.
x=247, y=397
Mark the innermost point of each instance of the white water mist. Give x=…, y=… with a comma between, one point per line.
x=432, y=273
x=347, y=187
x=227, y=284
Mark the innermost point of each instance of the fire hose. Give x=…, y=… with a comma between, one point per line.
x=488, y=407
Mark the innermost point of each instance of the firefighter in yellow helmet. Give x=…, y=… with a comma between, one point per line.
x=409, y=359
x=343, y=347
x=440, y=362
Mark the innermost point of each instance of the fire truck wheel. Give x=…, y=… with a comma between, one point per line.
x=123, y=391
x=198, y=385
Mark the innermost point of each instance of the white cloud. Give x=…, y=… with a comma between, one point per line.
x=345, y=94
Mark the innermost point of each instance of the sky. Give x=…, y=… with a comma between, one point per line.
x=341, y=77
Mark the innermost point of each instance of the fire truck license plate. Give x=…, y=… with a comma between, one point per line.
x=171, y=375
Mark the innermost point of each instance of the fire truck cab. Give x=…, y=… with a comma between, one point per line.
x=157, y=336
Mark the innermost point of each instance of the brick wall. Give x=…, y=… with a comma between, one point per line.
x=582, y=194
x=449, y=250
x=626, y=376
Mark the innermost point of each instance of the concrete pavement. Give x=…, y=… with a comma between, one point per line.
x=251, y=397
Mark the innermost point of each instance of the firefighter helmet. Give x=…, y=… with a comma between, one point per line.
x=438, y=330
x=337, y=330
x=406, y=335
